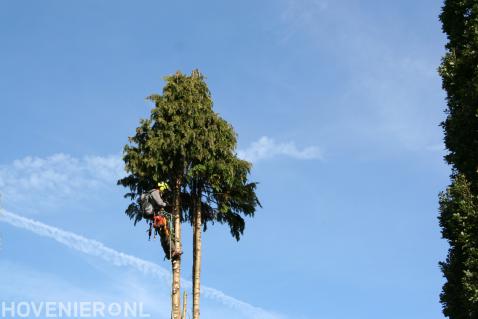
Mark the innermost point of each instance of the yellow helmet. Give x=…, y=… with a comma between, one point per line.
x=163, y=186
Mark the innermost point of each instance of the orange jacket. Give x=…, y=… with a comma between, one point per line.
x=159, y=220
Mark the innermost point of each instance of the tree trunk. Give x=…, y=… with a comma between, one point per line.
x=176, y=261
x=197, y=231
x=185, y=298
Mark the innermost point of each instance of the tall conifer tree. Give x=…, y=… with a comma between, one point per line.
x=191, y=147
x=458, y=204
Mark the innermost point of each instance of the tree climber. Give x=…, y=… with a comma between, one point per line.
x=151, y=201
x=153, y=207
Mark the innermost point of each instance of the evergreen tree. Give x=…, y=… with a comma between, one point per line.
x=458, y=205
x=159, y=151
x=459, y=222
x=217, y=180
x=221, y=193
x=460, y=81
x=188, y=145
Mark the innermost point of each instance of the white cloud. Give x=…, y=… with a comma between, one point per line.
x=98, y=249
x=49, y=181
x=32, y=285
x=35, y=183
x=266, y=148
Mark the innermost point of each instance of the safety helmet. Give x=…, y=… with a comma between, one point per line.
x=163, y=186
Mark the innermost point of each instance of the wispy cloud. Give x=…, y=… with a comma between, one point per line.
x=43, y=183
x=266, y=148
x=49, y=181
x=98, y=249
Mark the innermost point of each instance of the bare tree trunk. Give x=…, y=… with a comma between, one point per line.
x=197, y=231
x=185, y=298
x=176, y=260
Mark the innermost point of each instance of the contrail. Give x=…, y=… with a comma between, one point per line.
x=98, y=249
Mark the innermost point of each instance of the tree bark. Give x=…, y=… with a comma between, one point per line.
x=197, y=231
x=176, y=261
x=185, y=298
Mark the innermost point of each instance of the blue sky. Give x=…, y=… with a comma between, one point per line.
x=337, y=104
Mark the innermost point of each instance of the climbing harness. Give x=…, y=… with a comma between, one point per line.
x=162, y=221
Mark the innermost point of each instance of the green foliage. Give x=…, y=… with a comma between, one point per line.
x=459, y=222
x=460, y=80
x=228, y=195
x=159, y=149
x=185, y=140
x=458, y=205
